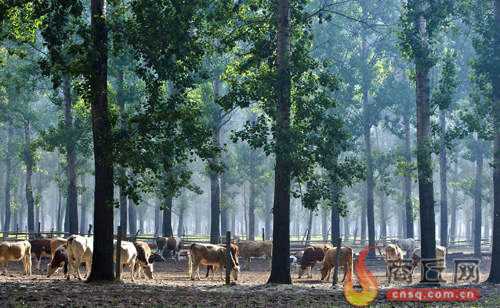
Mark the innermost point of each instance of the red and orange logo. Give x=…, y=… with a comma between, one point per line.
x=369, y=286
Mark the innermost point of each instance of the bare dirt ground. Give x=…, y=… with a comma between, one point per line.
x=172, y=287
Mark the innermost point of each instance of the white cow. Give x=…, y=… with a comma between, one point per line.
x=127, y=256
x=79, y=249
x=406, y=244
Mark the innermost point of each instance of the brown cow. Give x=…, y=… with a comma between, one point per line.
x=345, y=261
x=248, y=250
x=172, y=243
x=234, y=253
x=40, y=247
x=160, y=243
x=142, y=264
x=393, y=258
x=312, y=254
x=208, y=254
x=440, y=256
x=16, y=251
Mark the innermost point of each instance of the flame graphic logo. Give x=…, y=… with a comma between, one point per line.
x=369, y=286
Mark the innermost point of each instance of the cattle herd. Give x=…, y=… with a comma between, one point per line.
x=71, y=252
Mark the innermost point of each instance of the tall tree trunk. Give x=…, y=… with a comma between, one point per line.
x=245, y=201
x=132, y=217
x=495, y=84
x=29, y=178
x=268, y=214
x=83, y=208
x=251, y=199
x=346, y=228
x=181, y=221
x=454, y=207
x=72, y=200
x=443, y=166
x=324, y=224
x=478, y=187
x=424, y=150
x=120, y=96
x=158, y=227
x=335, y=216
x=59, y=205
x=39, y=194
x=367, y=124
x=102, y=265
x=167, y=217
x=8, y=181
x=197, y=221
x=407, y=182
x=224, y=227
x=383, y=219
x=280, y=270
x=363, y=224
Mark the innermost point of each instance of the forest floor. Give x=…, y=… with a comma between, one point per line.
x=172, y=287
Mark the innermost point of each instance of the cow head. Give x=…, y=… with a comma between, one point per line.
x=58, y=261
x=324, y=273
x=301, y=270
x=148, y=269
x=235, y=271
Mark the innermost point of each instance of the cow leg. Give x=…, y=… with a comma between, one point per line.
x=132, y=265
x=77, y=265
x=28, y=263
x=87, y=269
x=345, y=273
x=5, y=263
x=197, y=268
x=271, y=263
x=38, y=262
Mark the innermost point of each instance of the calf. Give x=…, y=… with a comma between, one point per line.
x=156, y=257
x=345, y=260
x=58, y=260
x=440, y=256
x=234, y=254
x=127, y=256
x=312, y=254
x=142, y=264
x=54, y=244
x=16, y=251
x=393, y=257
x=208, y=254
x=78, y=249
x=250, y=250
x=40, y=247
x=160, y=243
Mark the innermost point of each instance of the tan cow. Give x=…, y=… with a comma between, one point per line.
x=440, y=256
x=345, y=260
x=15, y=251
x=393, y=257
x=248, y=250
x=54, y=244
x=142, y=265
x=128, y=256
x=79, y=249
x=208, y=254
x=234, y=253
x=312, y=254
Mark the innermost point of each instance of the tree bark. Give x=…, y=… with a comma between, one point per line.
x=268, y=215
x=251, y=199
x=495, y=84
x=83, y=208
x=335, y=218
x=167, y=217
x=443, y=166
x=324, y=224
x=29, y=178
x=453, y=207
x=72, y=199
x=478, y=187
x=280, y=270
x=102, y=265
x=8, y=181
x=424, y=151
x=132, y=217
x=224, y=202
x=158, y=227
x=407, y=181
x=120, y=96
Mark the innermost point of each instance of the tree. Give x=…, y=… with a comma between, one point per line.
x=103, y=197
x=419, y=28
